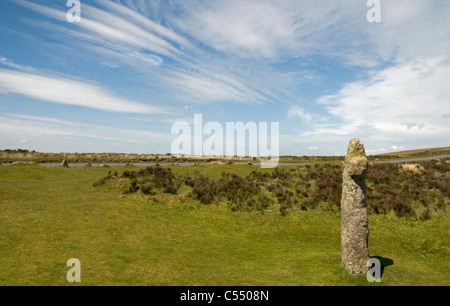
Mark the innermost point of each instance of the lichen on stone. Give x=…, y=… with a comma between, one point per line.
x=355, y=163
x=355, y=148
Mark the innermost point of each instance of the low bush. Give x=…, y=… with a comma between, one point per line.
x=104, y=180
x=146, y=180
x=411, y=194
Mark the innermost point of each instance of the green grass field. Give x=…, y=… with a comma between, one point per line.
x=49, y=215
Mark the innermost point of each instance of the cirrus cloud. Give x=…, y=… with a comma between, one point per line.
x=70, y=92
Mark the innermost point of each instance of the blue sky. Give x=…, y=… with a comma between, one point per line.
x=120, y=78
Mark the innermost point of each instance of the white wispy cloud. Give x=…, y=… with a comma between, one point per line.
x=122, y=37
x=210, y=87
x=55, y=89
x=267, y=29
x=40, y=133
x=273, y=30
x=145, y=23
x=402, y=102
x=39, y=118
x=245, y=28
x=9, y=63
x=411, y=29
x=298, y=112
x=123, y=29
x=44, y=10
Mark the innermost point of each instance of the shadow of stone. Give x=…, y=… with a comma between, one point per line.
x=384, y=261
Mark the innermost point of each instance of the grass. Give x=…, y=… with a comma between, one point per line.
x=52, y=214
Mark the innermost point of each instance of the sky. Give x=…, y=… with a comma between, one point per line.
x=118, y=80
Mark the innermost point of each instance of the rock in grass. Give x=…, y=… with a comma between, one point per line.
x=354, y=216
x=65, y=163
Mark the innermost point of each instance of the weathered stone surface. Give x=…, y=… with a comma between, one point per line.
x=65, y=163
x=354, y=218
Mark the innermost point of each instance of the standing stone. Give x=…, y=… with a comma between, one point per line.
x=354, y=218
x=65, y=164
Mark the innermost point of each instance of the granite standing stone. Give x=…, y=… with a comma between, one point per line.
x=354, y=218
x=65, y=163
